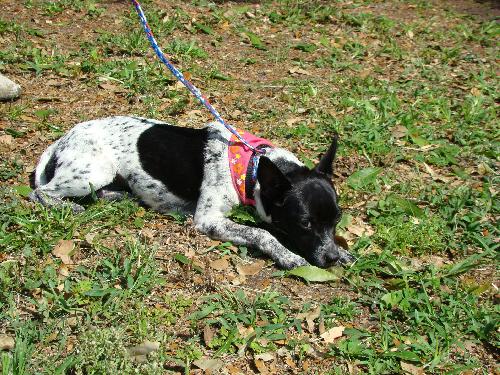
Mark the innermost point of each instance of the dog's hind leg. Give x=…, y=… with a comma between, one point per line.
x=72, y=178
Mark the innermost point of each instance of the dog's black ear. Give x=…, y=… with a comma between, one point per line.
x=273, y=183
x=325, y=165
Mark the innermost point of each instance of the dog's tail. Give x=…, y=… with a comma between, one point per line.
x=45, y=169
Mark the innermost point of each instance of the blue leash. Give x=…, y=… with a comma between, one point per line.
x=197, y=93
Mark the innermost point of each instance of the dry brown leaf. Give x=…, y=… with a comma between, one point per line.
x=111, y=87
x=332, y=334
x=266, y=357
x=245, y=331
x=475, y=91
x=399, y=131
x=219, y=264
x=233, y=370
x=310, y=316
x=289, y=361
x=251, y=269
x=89, y=237
x=364, y=73
x=6, y=139
x=293, y=120
x=353, y=369
x=210, y=365
x=52, y=336
x=408, y=368
x=63, y=249
x=296, y=71
x=261, y=367
x=306, y=365
x=321, y=326
x=31, y=119
x=208, y=334
x=6, y=342
x=72, y=320
x=147, y=234
x=163, y=106
x=360, y=228
x=190, y=253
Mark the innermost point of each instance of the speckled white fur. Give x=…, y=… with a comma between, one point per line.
x=92, y=153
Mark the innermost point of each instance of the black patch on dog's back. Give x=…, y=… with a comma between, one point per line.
x=174, y=156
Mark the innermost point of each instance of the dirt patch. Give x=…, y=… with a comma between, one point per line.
x=485, y=9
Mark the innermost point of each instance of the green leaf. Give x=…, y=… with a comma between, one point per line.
x=306, y=47
x=178, y=217
x=419, y=141
x=392, y=299
x=207, y=310
x=465, y=265
x=345, y=221
x=23, y=190
x=407, y=206
x=405, y=355
x=44, y=113
x=215, y=74
x=139, y=222
x=243, y=215
x=101, y=292
x=182, y=258
x=204, y=28
x=364, y=177
x=255, y=40
x=313, y=273
x=308, y=162
x=93, y=194
x=15, y=133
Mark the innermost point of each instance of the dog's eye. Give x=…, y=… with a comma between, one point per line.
x=306, y=224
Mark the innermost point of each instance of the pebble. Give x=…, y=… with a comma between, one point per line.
x=8, y=89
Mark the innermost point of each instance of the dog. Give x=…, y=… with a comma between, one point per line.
x=171, y=168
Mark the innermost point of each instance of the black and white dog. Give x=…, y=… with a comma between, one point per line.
x=182, y=169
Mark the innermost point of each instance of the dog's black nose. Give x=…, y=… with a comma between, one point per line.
x=339, y=256
x=345, y=258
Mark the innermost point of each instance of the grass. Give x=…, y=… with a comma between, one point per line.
x=412, y=89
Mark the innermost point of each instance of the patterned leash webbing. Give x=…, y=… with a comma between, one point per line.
x=193, y=88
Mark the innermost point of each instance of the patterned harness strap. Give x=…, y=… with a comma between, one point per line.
x=197, y=93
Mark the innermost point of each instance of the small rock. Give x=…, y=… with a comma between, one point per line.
x=8, y=89
x=139, y=352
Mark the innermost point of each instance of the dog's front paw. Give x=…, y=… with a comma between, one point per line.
x=291, y=261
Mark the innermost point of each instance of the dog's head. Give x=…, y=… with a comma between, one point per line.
x=302, y=205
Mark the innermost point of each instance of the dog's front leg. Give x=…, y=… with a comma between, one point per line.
x=222, y=228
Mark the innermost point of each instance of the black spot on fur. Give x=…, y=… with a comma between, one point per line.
x=32, y=180
x=174, y=156
x=50, y=168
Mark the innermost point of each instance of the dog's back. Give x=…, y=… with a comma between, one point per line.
x=160, y=164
